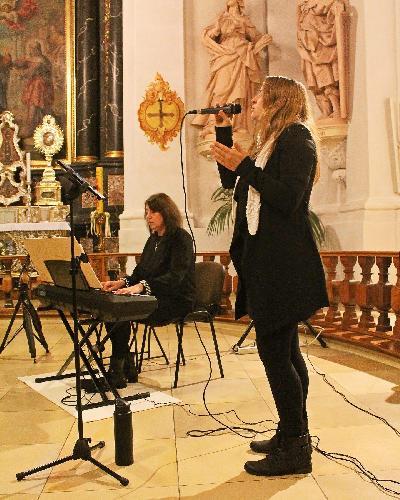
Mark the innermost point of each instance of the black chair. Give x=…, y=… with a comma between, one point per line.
x=209, y=278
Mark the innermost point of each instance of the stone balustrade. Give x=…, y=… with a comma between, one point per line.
x=363, y=290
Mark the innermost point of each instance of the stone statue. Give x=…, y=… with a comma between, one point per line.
x=321, y=42
x=234, y=45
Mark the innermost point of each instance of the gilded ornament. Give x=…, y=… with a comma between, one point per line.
x=48, y=139
x=161, y=113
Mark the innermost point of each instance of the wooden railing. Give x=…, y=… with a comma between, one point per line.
x=363, y=290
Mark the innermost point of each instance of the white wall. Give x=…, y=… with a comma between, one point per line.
x=361, y=214
x=153, y=42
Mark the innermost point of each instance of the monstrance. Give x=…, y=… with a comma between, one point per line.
x=48, y=139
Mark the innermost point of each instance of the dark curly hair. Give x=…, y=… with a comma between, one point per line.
x=163, y=204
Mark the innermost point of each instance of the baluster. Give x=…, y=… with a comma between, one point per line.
x=96, y=264
x=347, y=291
x=332, y=315
x=7, y=286
x=226, y=304
x=365, y=293
x=395, y=296
x=208, y=258
x=383, y=294
x=122, y=261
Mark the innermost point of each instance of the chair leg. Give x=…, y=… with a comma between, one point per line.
x=151, y=329
x=221, y=371
x=142, y=348
x=160, y=346
x=179, y=334
x=133, y=342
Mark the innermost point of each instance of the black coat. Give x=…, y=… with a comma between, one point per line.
x=281, y=278
x=167, y=264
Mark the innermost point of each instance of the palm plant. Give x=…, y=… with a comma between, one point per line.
x=223, y=216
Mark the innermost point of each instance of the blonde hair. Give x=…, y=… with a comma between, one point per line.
x=285, y=101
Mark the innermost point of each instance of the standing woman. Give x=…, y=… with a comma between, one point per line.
x=281, y=279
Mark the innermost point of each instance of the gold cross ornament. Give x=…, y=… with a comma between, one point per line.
x=161, y=112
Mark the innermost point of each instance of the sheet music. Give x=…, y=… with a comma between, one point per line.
x=43, y=249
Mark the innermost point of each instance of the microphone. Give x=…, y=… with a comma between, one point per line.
x=230, y=109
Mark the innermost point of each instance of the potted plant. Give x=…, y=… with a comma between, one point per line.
x=223, y=216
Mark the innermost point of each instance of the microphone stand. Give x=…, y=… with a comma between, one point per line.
x=82, y=449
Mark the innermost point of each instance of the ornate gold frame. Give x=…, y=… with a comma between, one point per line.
x=70, y=129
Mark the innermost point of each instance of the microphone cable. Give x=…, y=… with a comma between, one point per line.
x=343, y=457
x=184, y=185
x=234, y=429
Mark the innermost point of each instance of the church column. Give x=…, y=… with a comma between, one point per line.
x=153, y=42
x=369, y=218
x=87, y=81
x=111, y=64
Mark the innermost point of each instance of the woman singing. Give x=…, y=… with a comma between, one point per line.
x=281, y=279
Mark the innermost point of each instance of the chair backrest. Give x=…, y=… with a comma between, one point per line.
x=210, y=278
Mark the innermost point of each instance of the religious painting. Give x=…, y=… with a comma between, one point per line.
x=37, y=67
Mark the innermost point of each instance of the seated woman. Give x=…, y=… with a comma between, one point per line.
x=165, y=270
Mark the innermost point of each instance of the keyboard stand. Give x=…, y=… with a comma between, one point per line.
x=85, y=359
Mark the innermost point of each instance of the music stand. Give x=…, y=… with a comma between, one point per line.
x=30, y=319
x=82, y=449
x=311, y=329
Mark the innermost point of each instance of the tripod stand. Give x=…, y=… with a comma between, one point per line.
x=82, y=449
x=30, y=319
x=310, y=328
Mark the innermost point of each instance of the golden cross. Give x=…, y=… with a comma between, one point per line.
x=161, y=113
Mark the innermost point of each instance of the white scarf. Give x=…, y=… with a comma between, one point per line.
x=253, y=196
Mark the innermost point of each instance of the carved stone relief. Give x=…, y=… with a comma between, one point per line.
x=235, y=47
x=322, y=42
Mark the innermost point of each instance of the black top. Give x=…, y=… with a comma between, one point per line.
x=281, y=278
x=167, y=264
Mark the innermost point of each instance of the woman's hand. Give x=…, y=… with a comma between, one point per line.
x=111, y=286
x=230, y=158
x=130, y=290
x=222, y=119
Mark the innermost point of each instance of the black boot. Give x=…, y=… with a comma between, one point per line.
x=266, y=446
x=269, y=445
x=130, y=369
x=115, y=375
x=293, y=456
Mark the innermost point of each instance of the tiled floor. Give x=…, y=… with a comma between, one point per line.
x=168, y=463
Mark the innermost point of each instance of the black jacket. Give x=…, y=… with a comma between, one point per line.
x=281, y=278
x=167, y=264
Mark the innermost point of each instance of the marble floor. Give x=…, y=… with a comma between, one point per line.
x=169, y=464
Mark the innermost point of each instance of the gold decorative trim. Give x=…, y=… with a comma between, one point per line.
x=114, y=154
x=71, y=86
x=161, y=112
x=84, y=159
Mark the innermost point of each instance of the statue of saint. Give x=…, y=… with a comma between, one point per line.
x=234, y=45
x=321, y=46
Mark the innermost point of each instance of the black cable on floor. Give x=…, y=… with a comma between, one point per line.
x=343, y=457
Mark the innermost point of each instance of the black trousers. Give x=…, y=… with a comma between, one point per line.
x=166, y=312
x=287, y=375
